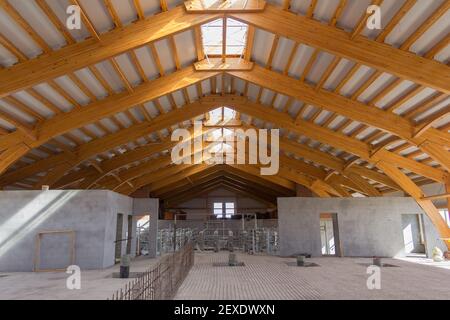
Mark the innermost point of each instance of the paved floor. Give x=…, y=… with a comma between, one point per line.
x=428, y=262
x=262, y=277
x=265, y=277
x=95, y=284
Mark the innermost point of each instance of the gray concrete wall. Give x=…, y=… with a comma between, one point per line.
x=201, y=206
x=428, y=190
x=200, y=209
x=144, y=206
x=117, y=203
x=91, y=214
x=367, y=226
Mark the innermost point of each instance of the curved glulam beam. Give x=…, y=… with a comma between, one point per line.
x=253, y=190
x=277, y=184
x=166, y=177
x=139, y=170
x=101, y=109
x=352, y=109
x=383, y=57
x=207, y=104
x=285, y=145
x=90, y=149
x=9, y=156
x=399, y=126
x=222, y=183
x=301, y=170
x=227, y=186
x=180, y=79
x=363, y=185
x=414, y=191
x=330, y=161
x=82, y=54
x=162, y=189
x=109, y=106
x=188, y=184
x=150, y=178
x=91, y=176
x=255, y=171
x=345, y=182
x=373, y=175
x=132, y=173
x=305, y=174
x=327, y=136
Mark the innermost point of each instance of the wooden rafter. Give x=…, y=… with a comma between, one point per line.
x=92, y=176
x=114, y=139
x=329, y=137
x=352, y=109
x=220, y=171
x=106, y=107
x=109, y=142
x=380, y=56
x=79, y=55
x=333, y=102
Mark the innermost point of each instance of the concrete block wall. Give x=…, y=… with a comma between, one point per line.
x=115, y=204
x=367, y=226
x=198, y=209
x=92, y=214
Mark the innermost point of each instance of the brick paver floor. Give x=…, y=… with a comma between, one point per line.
x=266, y=277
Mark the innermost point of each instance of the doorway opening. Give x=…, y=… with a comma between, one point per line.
x=413, y=235
x=143, y=235
x=129, y=233
x=119, y=234
x=329, y=234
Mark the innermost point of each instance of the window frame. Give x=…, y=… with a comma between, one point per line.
x=224, y=214
x=212, y=46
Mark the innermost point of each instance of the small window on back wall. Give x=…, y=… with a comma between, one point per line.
x=229, y=209
x=224, y=209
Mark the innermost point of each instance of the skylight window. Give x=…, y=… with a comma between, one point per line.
x=220, y=136
x=228, y=114
x=221, y=115
x=236, y=35
x=221, y=148
x=212, y=37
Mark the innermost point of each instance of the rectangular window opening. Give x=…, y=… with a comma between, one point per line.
x=224, y=209
x=236, y=37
